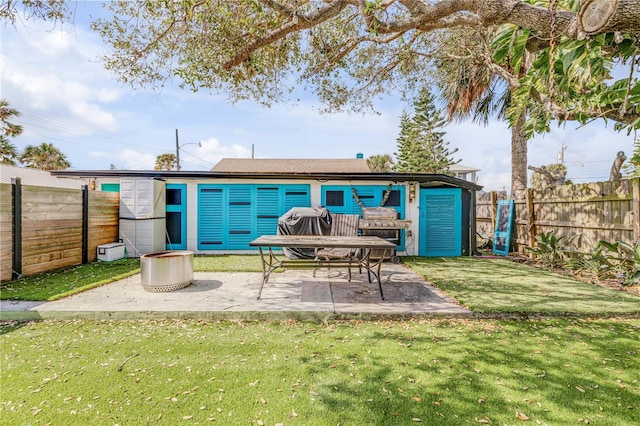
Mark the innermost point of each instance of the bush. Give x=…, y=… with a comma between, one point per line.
x=548, y=249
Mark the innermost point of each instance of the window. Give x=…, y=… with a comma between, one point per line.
x=394, y=199
x=334, y=198
x=174, y=196
x=174, y=228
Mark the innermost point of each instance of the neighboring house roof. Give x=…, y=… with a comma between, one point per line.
x=459, y=168
x=35, y=177
x=291, y=165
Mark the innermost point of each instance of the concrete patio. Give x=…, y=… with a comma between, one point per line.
x=293, y=294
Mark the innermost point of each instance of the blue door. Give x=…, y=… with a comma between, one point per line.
x=176, y=197
x=440, y=222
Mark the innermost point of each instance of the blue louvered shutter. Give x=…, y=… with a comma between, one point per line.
x=211, y=217
x=296, y=196
x=367, y=195
x=267, y=209
x=240, y=216
x=440, y=222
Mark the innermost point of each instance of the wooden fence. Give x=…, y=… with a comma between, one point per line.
x=607, y=211
x=57, y=227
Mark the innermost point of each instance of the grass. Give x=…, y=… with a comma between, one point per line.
x=501, y=286
x=54, y=285
x=456, y=372
x=228, y=263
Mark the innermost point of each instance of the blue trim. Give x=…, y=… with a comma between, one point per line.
x=179, y=211
x=440, y=222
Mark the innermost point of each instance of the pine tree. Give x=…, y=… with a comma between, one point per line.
x=421, y=144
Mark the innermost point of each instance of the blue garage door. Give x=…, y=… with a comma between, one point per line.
x=440, y=222
x=231, y=216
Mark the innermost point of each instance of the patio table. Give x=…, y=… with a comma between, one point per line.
x=365, y=244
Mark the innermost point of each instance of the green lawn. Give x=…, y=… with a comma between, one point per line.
x=57, y=284
x=457, y=372
x=54, y=285
x=486, y=286
x=502, y=286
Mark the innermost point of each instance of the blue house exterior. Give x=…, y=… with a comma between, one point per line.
x=221, y=212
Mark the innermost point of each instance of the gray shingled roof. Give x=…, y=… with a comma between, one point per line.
x=291, y=165
x=35, y=177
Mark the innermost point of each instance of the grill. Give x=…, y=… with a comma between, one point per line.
x=384, y=223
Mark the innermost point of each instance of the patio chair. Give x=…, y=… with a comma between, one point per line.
x=345, y=225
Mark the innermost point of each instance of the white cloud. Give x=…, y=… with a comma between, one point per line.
x=56, y=78
x=213, y=151
x=92, y=114
x=130, y=159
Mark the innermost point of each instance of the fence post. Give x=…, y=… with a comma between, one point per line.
x=635, y=207
x=494, y=211
x=16, y=198
x=531, y=218
x=85, y=224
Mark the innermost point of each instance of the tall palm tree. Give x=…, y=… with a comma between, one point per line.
x=8, y=152
x=473, y=86
x=44, y=157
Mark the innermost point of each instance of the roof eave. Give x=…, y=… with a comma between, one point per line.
x=425, y=179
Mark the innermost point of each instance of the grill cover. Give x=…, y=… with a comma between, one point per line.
x=304, y=221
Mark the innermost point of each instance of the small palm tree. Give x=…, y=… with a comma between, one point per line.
x=8, y=153
x=6, y=113
x=165, y=162
x=380, y=163
x=44, y=157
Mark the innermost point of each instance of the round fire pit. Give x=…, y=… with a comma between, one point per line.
x=167, y=270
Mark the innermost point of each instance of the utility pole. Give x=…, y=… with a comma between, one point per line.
x=561, y=154
x=177, y=152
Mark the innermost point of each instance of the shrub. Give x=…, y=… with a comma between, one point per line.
x=548, y=249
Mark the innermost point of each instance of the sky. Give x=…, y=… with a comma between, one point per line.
x=53, y=77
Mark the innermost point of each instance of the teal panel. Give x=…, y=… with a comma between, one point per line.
x=230, y=216
x=110, y=187
x=176, y=216
x=211, y=216
x=240, y=220
x=440, y=222
x=296, y=196
x=369, y=195
x=268, y=201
